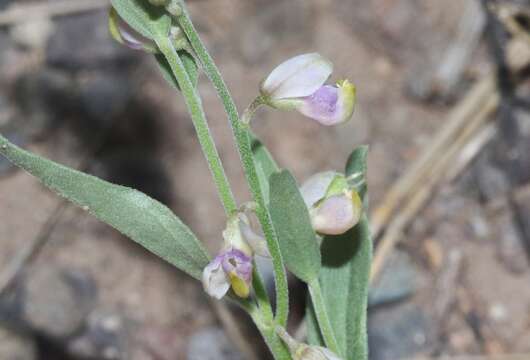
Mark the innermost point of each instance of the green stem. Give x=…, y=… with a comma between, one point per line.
x=251, y=109
x=273, y=341
x=242, y=138
x=321, y=313
x=193, y=102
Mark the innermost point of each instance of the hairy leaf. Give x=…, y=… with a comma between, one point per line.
x=143, y=17
x=143, y=219
x=265, y=165
x=290, y=217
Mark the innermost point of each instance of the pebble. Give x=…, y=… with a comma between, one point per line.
x=55, y=301
x=396, y=282
x=212, y=344
x=398, y=332
x=15, y=346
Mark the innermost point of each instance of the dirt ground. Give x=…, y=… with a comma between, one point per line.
x=469, y=279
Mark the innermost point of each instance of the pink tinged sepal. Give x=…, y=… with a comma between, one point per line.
x=297, y=77
x=126, y=35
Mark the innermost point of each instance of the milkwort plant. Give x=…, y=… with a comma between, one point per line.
x=318, y=231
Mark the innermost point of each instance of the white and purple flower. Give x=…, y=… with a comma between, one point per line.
x=334, y=206
x=299, y=84
x=233, y=266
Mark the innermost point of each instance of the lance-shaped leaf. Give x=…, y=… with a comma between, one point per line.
x=134, y=214
x=290, y=217
x=148, y=20
x=189, y=63
x=265, y=165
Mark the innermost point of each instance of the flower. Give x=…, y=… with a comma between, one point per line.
x=298, y=84
x=334, y=206
x=232, y=267
x=126, y=35
x=315, y=353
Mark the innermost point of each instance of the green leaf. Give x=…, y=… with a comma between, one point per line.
x=344, y=280
x=148, y=20
x=144, y=220
x=290, y=217
x=189, y=63
x=356, y=164
x=265, y=165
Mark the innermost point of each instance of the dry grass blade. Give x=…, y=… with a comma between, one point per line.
x=28, y=11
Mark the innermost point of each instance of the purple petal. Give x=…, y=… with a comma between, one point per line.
x=330, y=105
x=336, y=215
x=236, y=262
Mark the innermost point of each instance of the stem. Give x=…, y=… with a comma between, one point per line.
x=273, y=341
x=322, y=316
x=291, y=343
x=242, y=138
x=251, y=109
x=194, y=104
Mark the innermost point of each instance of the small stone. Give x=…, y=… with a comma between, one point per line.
x=55, y=301
x=212, y=344
x=14, y=346
x=105, y=336
x=33, y=34
x=398, y=332
x=396, y=282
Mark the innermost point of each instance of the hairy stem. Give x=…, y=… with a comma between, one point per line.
x=243, y=143
x=267, y=329
x=322, y=316
x=194, y=104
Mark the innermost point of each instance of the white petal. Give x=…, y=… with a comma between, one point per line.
x=214, y=280
x=299, y=76
x=314, y=188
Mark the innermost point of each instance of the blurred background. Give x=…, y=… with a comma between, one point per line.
x=443, y=102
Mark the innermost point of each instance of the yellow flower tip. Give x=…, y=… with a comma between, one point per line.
x=239, y=286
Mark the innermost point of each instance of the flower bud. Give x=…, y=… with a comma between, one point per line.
x=126, y=35
x=333, y=205
x=307, y=352
x=298, y=84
